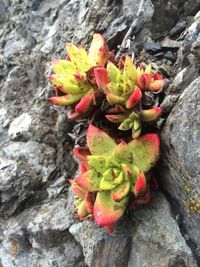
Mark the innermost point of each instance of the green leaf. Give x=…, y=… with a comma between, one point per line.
x=79, y=57
x=63, y=67
x=107, y=211
x=122, y=153
x=126, y=124
x=99, y=143
x=114, y=99
x=113, y=72
x=120, y=191
x=65, y=100
x=106, y=184
x=145, y=151
x=130, y=72
x=98, y=163
x=98, y=52
x=89, y=181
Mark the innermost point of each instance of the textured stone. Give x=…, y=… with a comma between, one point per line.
x=156, y=238
x=24, y=168
x=36, y=206
x=39, y=237
x=99, y=247
x=181, y=147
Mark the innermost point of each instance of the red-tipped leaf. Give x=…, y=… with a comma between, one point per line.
x=107, y=211
x=144, y=81
x=84, y=103
x=89, y=181
x=77, y=189
x=150, y=114
x=156, y=85
x=101, y=78
x=134, y=98
x=140, y=185
x=81, y=153
x=65, y=100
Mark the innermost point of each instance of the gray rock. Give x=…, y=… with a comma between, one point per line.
x=36, y=207
x=39, y=237
x=156, y=238
x=179, y=27
x=152, y=47
x=169, y=43
x=99, y=247
x=24, y=168
x=189, y=54
x=20, y=125
x=181, y=147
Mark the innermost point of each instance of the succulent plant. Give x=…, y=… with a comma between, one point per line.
x=113, y=173
x=125, y=89
x=70, y=74
x=147, y=80
x=110, y=173
x=133, y=120
x=119, y=87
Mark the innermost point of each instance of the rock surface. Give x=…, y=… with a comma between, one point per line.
x=156, y=239
x=181, y=146
x=38, y=225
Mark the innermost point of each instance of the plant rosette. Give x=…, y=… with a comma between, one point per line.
x=70, y=76
x=111, y=173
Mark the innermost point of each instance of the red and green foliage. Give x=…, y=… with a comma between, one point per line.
x=113, y=171
x=110, y=173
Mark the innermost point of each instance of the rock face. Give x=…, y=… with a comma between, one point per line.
x=180, y=139
x=38, y=225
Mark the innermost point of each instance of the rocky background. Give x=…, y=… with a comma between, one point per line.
x=38, y=226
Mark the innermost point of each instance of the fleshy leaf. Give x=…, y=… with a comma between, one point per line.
x=84, y=104
x=77, y=189
x=136, y=129
x=79, y=57
x=134, y=98
x=82, y=211
x=106, y=184
x=62, y=67
x=89, y=202
x=83, y=167
x=101, y=78
x=120, y=191
x=98, y=52
x=144, y=81
x=67, y=84
x=130, y=72
x=113, y=72
x=65, y=100
x=140, y=185
x=122, y=153
x=145, y=151
x=97, y=163
x=81, y=153
x=89, y=181
x=107, y=211
x=114, y=99
x=157, y=76
x=99, y=143
x=156, y=85
x=126, y=124
x=116, y=118
x=148, y=69
x=150, y=114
